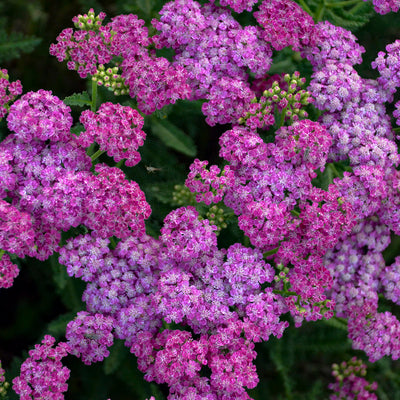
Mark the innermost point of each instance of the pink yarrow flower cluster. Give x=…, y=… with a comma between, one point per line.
x=8, y=271
x=285, y=24
x=40, y=115
x=208, y=186
x=42, y=374
x=386, y=6
x=152, y=80
x=89, y=336
x=8, y=91
x=117, y=130
x=215, y=50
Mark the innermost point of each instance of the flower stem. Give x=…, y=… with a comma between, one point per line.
x=94, y=96
x=341, y=3
x=305, y=7
x=97, y=154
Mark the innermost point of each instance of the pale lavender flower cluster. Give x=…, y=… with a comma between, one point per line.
x=119, y=281
x=332, y=44
x=390, y=281
x=215, y=50
x=334, y=86
x=89, y=336
x=377, y=334
x=37, y=166
x=388, y=66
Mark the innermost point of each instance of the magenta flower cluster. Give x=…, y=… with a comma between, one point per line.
x=116, y=129
x=285, y=24
x=152, y=80
x=207, y=184
x=8, y=91
x=42, y=373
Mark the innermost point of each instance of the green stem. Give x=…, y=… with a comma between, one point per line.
x=97, y=154
x=320, y=11
x=1, y=253
x=334, y=170
x=113, y=242
x=271, y=252
x=94, y=96
x=119, y=164
x=336, y=322
x=305, y=7
x=285, y=292
x=282, y=120
x=295, y=213
x=341, y=3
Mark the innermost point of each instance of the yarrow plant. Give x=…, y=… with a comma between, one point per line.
x=285, y=224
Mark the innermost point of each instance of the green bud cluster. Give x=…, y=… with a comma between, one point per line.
x=215, y=215
x=288, y=102
x=292, y=100
x=89, y=21
x=182, y=196
x=282, y=274
x=4, y=385
x=345, y=369
x=111, y=79
x=3, y=74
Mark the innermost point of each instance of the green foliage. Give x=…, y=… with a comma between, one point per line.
x=78, y=99
x=350, y=18
x=173, y=137
x=144, y=9
x=349, y=14
x=15, y=43
x=12, y=44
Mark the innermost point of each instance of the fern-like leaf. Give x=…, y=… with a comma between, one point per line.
x=15, y=43
x=78, y=99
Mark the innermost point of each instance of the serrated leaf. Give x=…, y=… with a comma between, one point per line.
x=78, y=99
x=57, y=327
x=60, y=276
x=77, y=129
x=173, y=137
x=15, y=43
